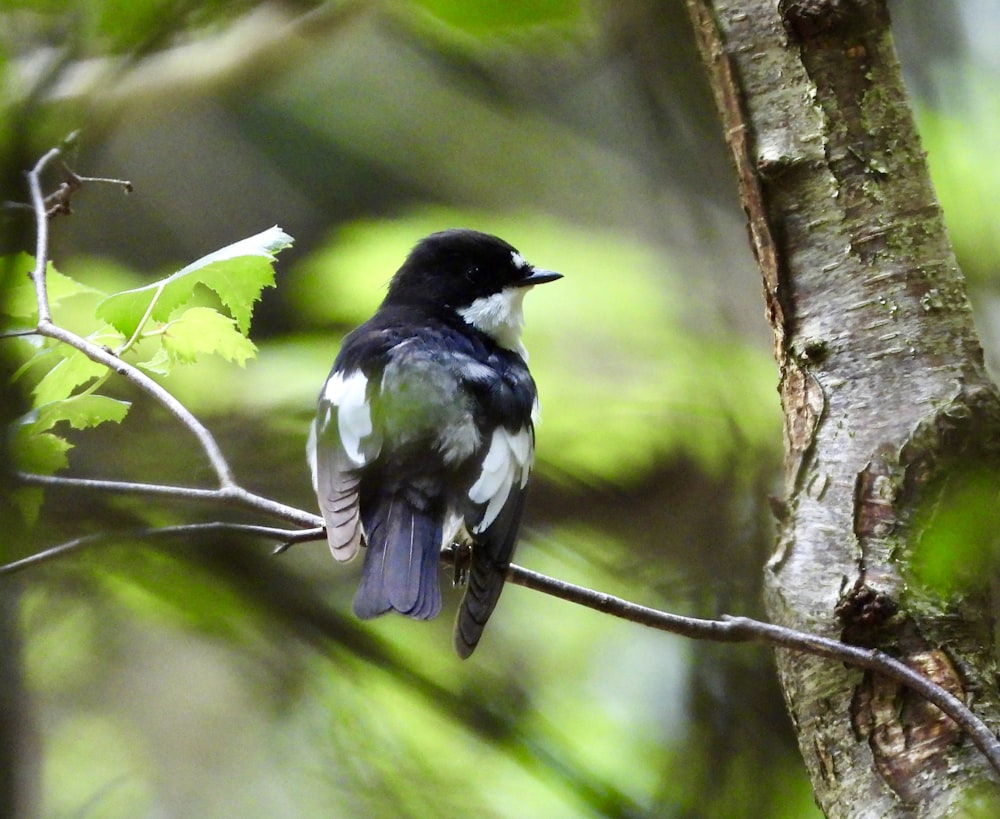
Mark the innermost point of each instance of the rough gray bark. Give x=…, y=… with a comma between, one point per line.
x=882, y=385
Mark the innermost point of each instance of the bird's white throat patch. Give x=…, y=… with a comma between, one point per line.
x=501, y=317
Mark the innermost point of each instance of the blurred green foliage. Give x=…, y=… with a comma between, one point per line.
x=958, y=549
x=957, y=141
x=489, y=18
x=207, y=678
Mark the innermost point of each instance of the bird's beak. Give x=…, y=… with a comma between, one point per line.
x=539, y=276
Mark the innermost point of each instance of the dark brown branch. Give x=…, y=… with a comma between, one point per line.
x=746, y=630
x=286, y=536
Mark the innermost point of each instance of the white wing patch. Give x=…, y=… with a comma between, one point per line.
x=500, y=316
x=472, y=370
x=354, y=415
x=507, y=461
x=311, y=455
x=335, y=454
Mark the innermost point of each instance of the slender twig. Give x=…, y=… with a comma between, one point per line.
x=124, y=184
x=746, y=630
x=189, y=493
x=231, y=495
x=289, y=536
x=42, y=234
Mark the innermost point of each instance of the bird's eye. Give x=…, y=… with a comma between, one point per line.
x=472, y=273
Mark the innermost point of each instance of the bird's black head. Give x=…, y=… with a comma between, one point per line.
x=454, y=268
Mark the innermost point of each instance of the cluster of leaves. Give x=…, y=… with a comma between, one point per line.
x=155, y=327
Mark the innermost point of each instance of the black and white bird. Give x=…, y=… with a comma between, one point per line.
x=424, y=433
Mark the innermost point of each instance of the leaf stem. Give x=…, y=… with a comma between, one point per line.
x=128, y=344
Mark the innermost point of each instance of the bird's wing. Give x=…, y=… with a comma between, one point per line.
x=342, y=441
x=496, y=500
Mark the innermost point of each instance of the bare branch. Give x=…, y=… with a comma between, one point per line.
x=289, y=536
x=42, y=234
x=746, y=630
x=190, y=493
x=234, y=495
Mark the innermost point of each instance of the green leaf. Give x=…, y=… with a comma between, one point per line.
x=15, y=282
x=71, y=372
x=28, y=502
x=204, y=330
x=160, y=364
x=80, y=412
x=40, y=452
x=237, y=273
x=35, y=449
x=41, y=354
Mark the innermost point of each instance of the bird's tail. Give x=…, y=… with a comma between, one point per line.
x=400, y=572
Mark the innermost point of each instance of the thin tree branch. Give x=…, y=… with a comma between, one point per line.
x=190, y=493
x=286, y=536
x=746, y=630
x=232, y=495
x=135, y=376
x=41, y=235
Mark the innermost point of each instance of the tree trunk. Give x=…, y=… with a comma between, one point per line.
x=882, y=385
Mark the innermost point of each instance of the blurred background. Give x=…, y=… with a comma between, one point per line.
x=210, y=679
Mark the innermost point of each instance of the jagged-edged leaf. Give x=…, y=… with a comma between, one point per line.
x=20, y=300
x=237, y=273
x=159, y=364
x=204, y=330
x=74, y=370
x=79, y=411
x=41, y=452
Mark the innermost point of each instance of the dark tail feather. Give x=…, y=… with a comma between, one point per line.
x=491, y=555
x=486, y=581
x=400, y=572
